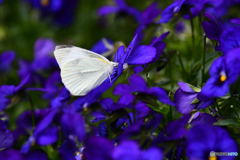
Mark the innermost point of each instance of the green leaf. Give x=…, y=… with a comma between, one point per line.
x=196, y=67
x=196, y=89
x=228, y=122
x=195, y=101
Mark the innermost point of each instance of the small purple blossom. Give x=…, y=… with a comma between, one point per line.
x=6, y=58
x=121, y=7
x=44, y=133
x=178, y=129
x=186, y=100
x=130, y=150
x=61, y=11
x=229, y=39
x=24, y=122
x=6, y=137
x=72, y=125
x=212, y=28
x=83, y=102
x=223, y=73
x=104, y=47
x=202, y=139
x=7, y=92
x=187, y=8
x=138, y=84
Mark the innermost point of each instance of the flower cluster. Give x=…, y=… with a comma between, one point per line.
x=174, y=92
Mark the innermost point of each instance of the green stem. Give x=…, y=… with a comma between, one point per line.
x=204, y=55
x=220, y=54
x=219, y=111
x=173, y=154
x=236, y=113
x=59, y=137
x=181, y=63
x=192, y=29
x=170, y=70
x=171, y=113
x=147, y=75
x=191, y=118
x=200, y=26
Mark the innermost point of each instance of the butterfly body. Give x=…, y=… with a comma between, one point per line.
x=82, y=70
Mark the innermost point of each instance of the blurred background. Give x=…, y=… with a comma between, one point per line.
x=22, y=23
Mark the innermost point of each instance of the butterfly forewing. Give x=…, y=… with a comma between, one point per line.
x=65, y=53
x=83, y=74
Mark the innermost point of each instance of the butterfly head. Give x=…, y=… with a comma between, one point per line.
x=114, y=64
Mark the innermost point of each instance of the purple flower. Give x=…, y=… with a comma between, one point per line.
x=230, y=39
x=185, y=99
x=134, y=55
x=36, y=155
x=6, y=137
x=120, y=8
x=223, y=72
x=138, y=84
x=213, y=28
x=171, y=11
x=130, y=150
x=140, y=127
x=108, y=106
x=141, y=111
x=148, y=16
x=150, y=13
x=72, y=125
x=196, y=6
x=202, y=139
x=7, y=92
x=235, y=20
x=159, y=46
x=43, y=61
x=98, y=148
x=83, y=102
x=62, y=99
x=67, y=150
x=180, y=27
x=140, y=55
x=43, y=54
x=44, y=133
x=52, y=86
x=6, y=59
x=25, y=68
x=43, y=48
x=24, y=122
x=188, y=8
x=222, y=9
x=10, y=154
x=178, y=129
x=104, y=47
x=61, y=11
x=124, y=150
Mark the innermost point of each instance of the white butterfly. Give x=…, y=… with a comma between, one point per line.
x=81, y=69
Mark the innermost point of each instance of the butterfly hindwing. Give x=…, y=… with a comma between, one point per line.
x=83, y=74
